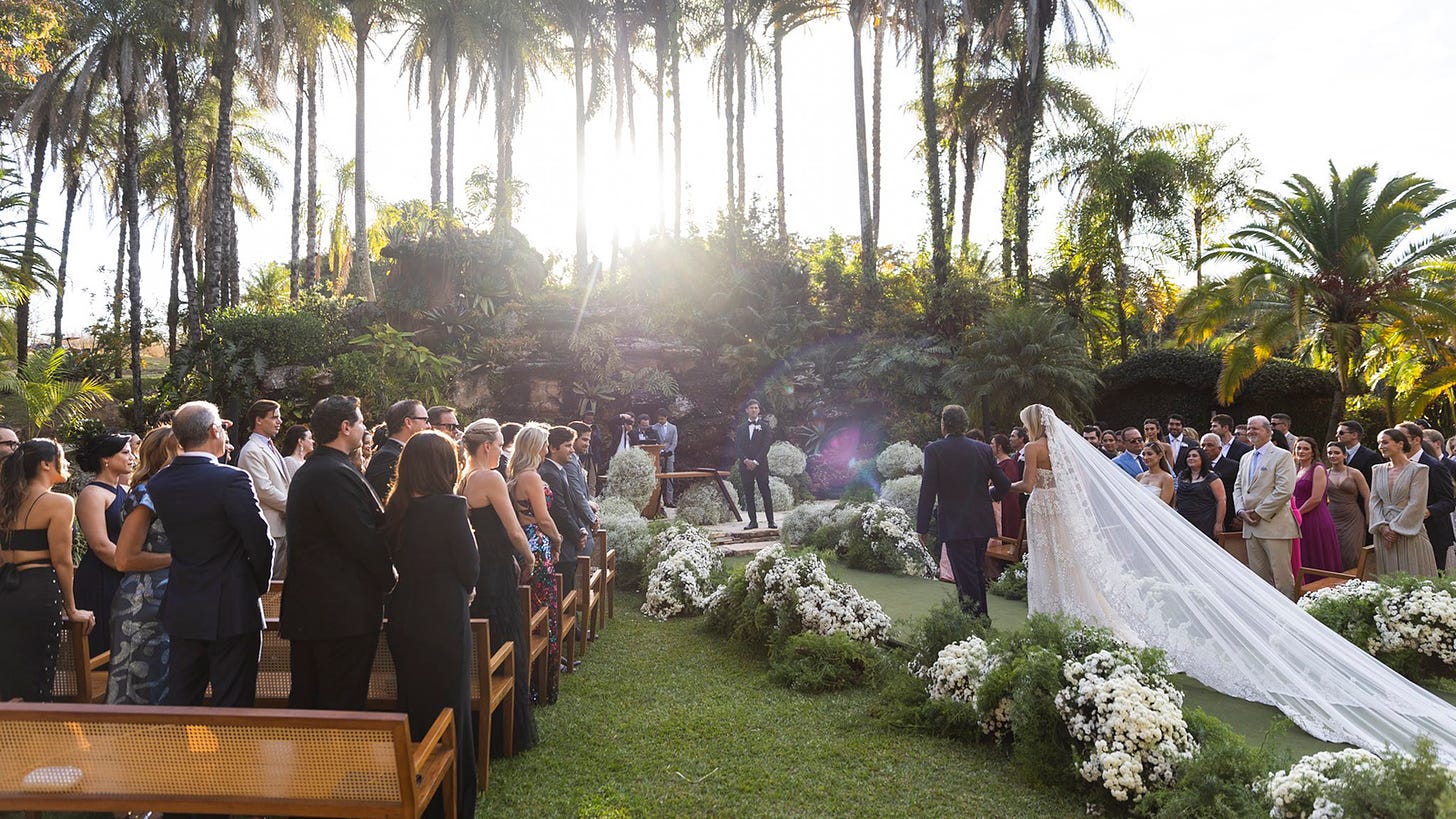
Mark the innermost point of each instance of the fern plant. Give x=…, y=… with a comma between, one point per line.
x=50, y=399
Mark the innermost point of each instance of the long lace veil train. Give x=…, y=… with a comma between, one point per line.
x=1152, y=577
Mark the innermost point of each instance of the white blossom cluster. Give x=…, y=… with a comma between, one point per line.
x=839, y=608
x=803, y=521
x=632, y=475
x=902, y=492
x=1128, y=722
x=958, y=671
x=892, y=537
x=789, y=574
x=702, y=504
x=626, y=530
x=786, y=460
x=679, y=583
x=1421, y=618
x=1308, y=790
x=900, y=459
x=782, y=493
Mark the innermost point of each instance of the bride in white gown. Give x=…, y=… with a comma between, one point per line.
x=1102, y=549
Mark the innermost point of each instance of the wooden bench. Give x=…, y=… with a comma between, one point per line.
x=1234, y=543
x=1324, y=580
x=1001, y=552
x=79, y=676
x=251, y=762
x=492, y=684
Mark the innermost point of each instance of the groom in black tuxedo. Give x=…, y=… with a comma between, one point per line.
x=957, y=471
x=753, y=439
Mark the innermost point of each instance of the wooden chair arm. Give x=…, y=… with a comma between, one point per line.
x=505, y=654
x=442, y=731
x=1329, y=574
x=95, y=663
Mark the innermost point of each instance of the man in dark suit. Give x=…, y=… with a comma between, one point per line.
x=403, y=419
x=1180, y=441
x=340, y=571
x=1232, y=448
x=221, y=559
x=1227, y=471
x=957, y=470
x=1357, y=455
x=559, y=442
x=1440, y=494
x=752, y=440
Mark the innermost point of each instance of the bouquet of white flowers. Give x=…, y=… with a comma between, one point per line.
x=839, y=608
x=632, y=476
x=1421, y=618
x=902, y=492
x=679, y=583
x=900, y=459
x=1127, y=721
x=1310, y=789
x=786, y=460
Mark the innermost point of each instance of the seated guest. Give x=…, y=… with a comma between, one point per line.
x=1349, y=496
x=1130, y=461
x=502, y=545
x=1319, y=540
x=139, y=644
x=428, y=531
x=99, y=513
x=260, y=458
x=1158, y=478
x=36, y=570
x=1201, y=498
x=533, y=500
x=333, y=602
x=403, y=419
x=297, y=446
x=1398, y=509
x=221, y=559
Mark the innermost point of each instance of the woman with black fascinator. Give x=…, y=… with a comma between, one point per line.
x=99, y=512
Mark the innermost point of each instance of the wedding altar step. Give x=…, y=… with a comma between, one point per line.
x=738, y=542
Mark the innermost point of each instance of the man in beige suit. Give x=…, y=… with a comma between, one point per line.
x=264, y=464
x=1261, y=499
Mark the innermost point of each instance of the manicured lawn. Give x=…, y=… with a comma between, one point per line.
x=666, y=719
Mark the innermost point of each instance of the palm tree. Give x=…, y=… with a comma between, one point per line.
x=517, y=40
x=363, y=14
x=50, y=399
x=856, y=10
x=926, y=20
x=581, y=20
x=22, y=267
x=1019, y=351
x=1118, y=176
x=39, y=136
x=1217, y=172
x=1325, y=270
x=783, y=17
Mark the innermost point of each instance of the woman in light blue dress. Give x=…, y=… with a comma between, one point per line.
x=139, y=645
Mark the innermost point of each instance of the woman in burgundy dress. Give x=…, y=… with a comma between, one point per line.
x=1319, y=545
x=1011, y=501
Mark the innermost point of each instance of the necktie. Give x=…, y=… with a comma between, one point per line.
x=1143, y=465
x=1254, y=465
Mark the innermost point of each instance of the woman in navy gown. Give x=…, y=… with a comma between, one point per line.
x=99, y=512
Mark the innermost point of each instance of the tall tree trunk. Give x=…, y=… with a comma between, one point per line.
x=677, y=174
x=217, y=276
x=660, y=57
x=73, y=185
x=875, y=104
x=728, y=108
x=435, y=129
x=505, y=126
x=132, y=206
x=621, y=78
x=314, y=260
x=868, y=270
x=32, y=220
x=952, y=148
x=174, y=296
x=971, y=159
x=452, y=70
x=361, y=280
x=118, y=291
x=939, y=258
x=1029, y=119
x=1008, y=214
x=778, y=69
x=295, y=263
x=741, y=52
x=1198, y=253
x=578, y=47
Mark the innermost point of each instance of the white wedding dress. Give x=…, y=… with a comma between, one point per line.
x=1102, y=549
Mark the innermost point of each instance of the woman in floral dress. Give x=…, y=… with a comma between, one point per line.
x=533, y=499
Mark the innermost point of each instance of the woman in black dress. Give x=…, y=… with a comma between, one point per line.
x=1201, y=495
x=35, y=569
x=505, y=557
x=99, y=512
x=428, y=612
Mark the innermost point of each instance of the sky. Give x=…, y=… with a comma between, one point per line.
x=1305, y=82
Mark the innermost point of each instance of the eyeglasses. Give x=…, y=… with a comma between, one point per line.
x=11, y=444
x=424, y=418
x=451, y=427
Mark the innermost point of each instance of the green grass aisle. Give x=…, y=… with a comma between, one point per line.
x=666, y=719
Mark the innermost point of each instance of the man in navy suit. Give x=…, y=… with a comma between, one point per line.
x=221, y=559
x=957, y=470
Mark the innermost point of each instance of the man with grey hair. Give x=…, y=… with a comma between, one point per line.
x=1261, y=500
x=1227, y=471
x=221, y=560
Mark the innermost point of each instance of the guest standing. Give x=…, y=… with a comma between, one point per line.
x=559, y=448
x=1010, y=521
x=333, y=602
x=1319, y=540
x=36, y=570
x=1201, y=499
x=532, y=500
x=221, y=559
x=1440, y=493
x=667, y=436
x=429, y=537
x=140, y=647
x=9, y=441
x=753, y=439
x=298, y=444
x=502, y=545
x=578, y=479
x=1349, y=497
x=443, y=419
x=401, y=421
x=1398, y=508
x=1234, y=448
x=1131, y=460
x=1111, y=446
x=1357, y=455
x=264, y=464
x=1227, y=471
x=99, y=513
x=1263, y=498
x=1158, y=477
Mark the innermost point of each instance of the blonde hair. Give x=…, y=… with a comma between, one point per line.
x=479, y=432
x=1031, y=419
x=530, y=449
x=156, y=452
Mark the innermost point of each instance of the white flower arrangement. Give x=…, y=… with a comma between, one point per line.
x=626, y=530
x=839, y=608
x=1422, y=618
x=957, y=675
x=1127, y=722
x=900, y=459
x=789, y=574
x=1310, y=788
x=701, y=504
x=631, y=476
x=902, y=492
x=1363, y=589
x=617, y=507
x=802, y=521
x=783, y=494
x=891, y=535
x=786, y=460
x=679, y=583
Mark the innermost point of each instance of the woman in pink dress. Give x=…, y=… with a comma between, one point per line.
x=1319, y=545
x=1011, y=502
